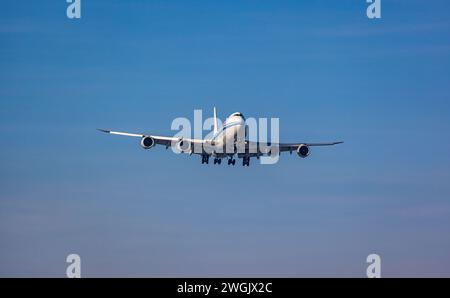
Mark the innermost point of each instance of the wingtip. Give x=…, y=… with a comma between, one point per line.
x=103, y=130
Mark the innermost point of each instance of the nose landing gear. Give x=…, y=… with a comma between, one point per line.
x=246, y=161
x=217, y=161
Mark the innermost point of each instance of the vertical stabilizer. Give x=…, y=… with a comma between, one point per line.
x=215, y=121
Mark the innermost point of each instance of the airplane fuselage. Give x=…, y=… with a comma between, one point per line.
x=232, y=133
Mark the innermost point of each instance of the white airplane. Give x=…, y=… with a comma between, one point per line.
x=227, y=142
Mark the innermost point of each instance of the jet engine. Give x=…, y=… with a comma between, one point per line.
x=183, y=145
x=303, y=151
x=147, y=142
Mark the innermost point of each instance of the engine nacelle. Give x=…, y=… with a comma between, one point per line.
x=303, y=151
x=183, y=146
x=147, y=142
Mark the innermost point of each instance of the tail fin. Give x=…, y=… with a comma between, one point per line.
x=215, y=121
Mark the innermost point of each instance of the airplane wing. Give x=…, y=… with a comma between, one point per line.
x=159, y=140
x=294, y=146
x=252, y=149
x=257, y=148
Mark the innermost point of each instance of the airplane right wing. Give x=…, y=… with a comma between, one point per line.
x=148, y=141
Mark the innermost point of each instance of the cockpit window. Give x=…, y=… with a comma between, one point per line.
x=237, y=114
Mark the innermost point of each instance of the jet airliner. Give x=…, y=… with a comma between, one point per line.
x=228, y=142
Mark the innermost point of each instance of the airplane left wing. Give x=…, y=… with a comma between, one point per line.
x=294, y=146
x=257, y=148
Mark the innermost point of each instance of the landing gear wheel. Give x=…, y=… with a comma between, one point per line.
x=205, y=159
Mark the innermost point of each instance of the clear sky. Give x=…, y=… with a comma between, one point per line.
x=326, y=70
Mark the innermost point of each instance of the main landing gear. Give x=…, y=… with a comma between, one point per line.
x=205, y=159
x=231, y=161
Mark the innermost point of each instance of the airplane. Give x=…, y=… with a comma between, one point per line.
x=228, y=142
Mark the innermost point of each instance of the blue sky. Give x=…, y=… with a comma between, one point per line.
x=322, y=67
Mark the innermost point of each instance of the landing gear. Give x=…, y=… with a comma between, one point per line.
x=231, y=161
x=246, y=161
